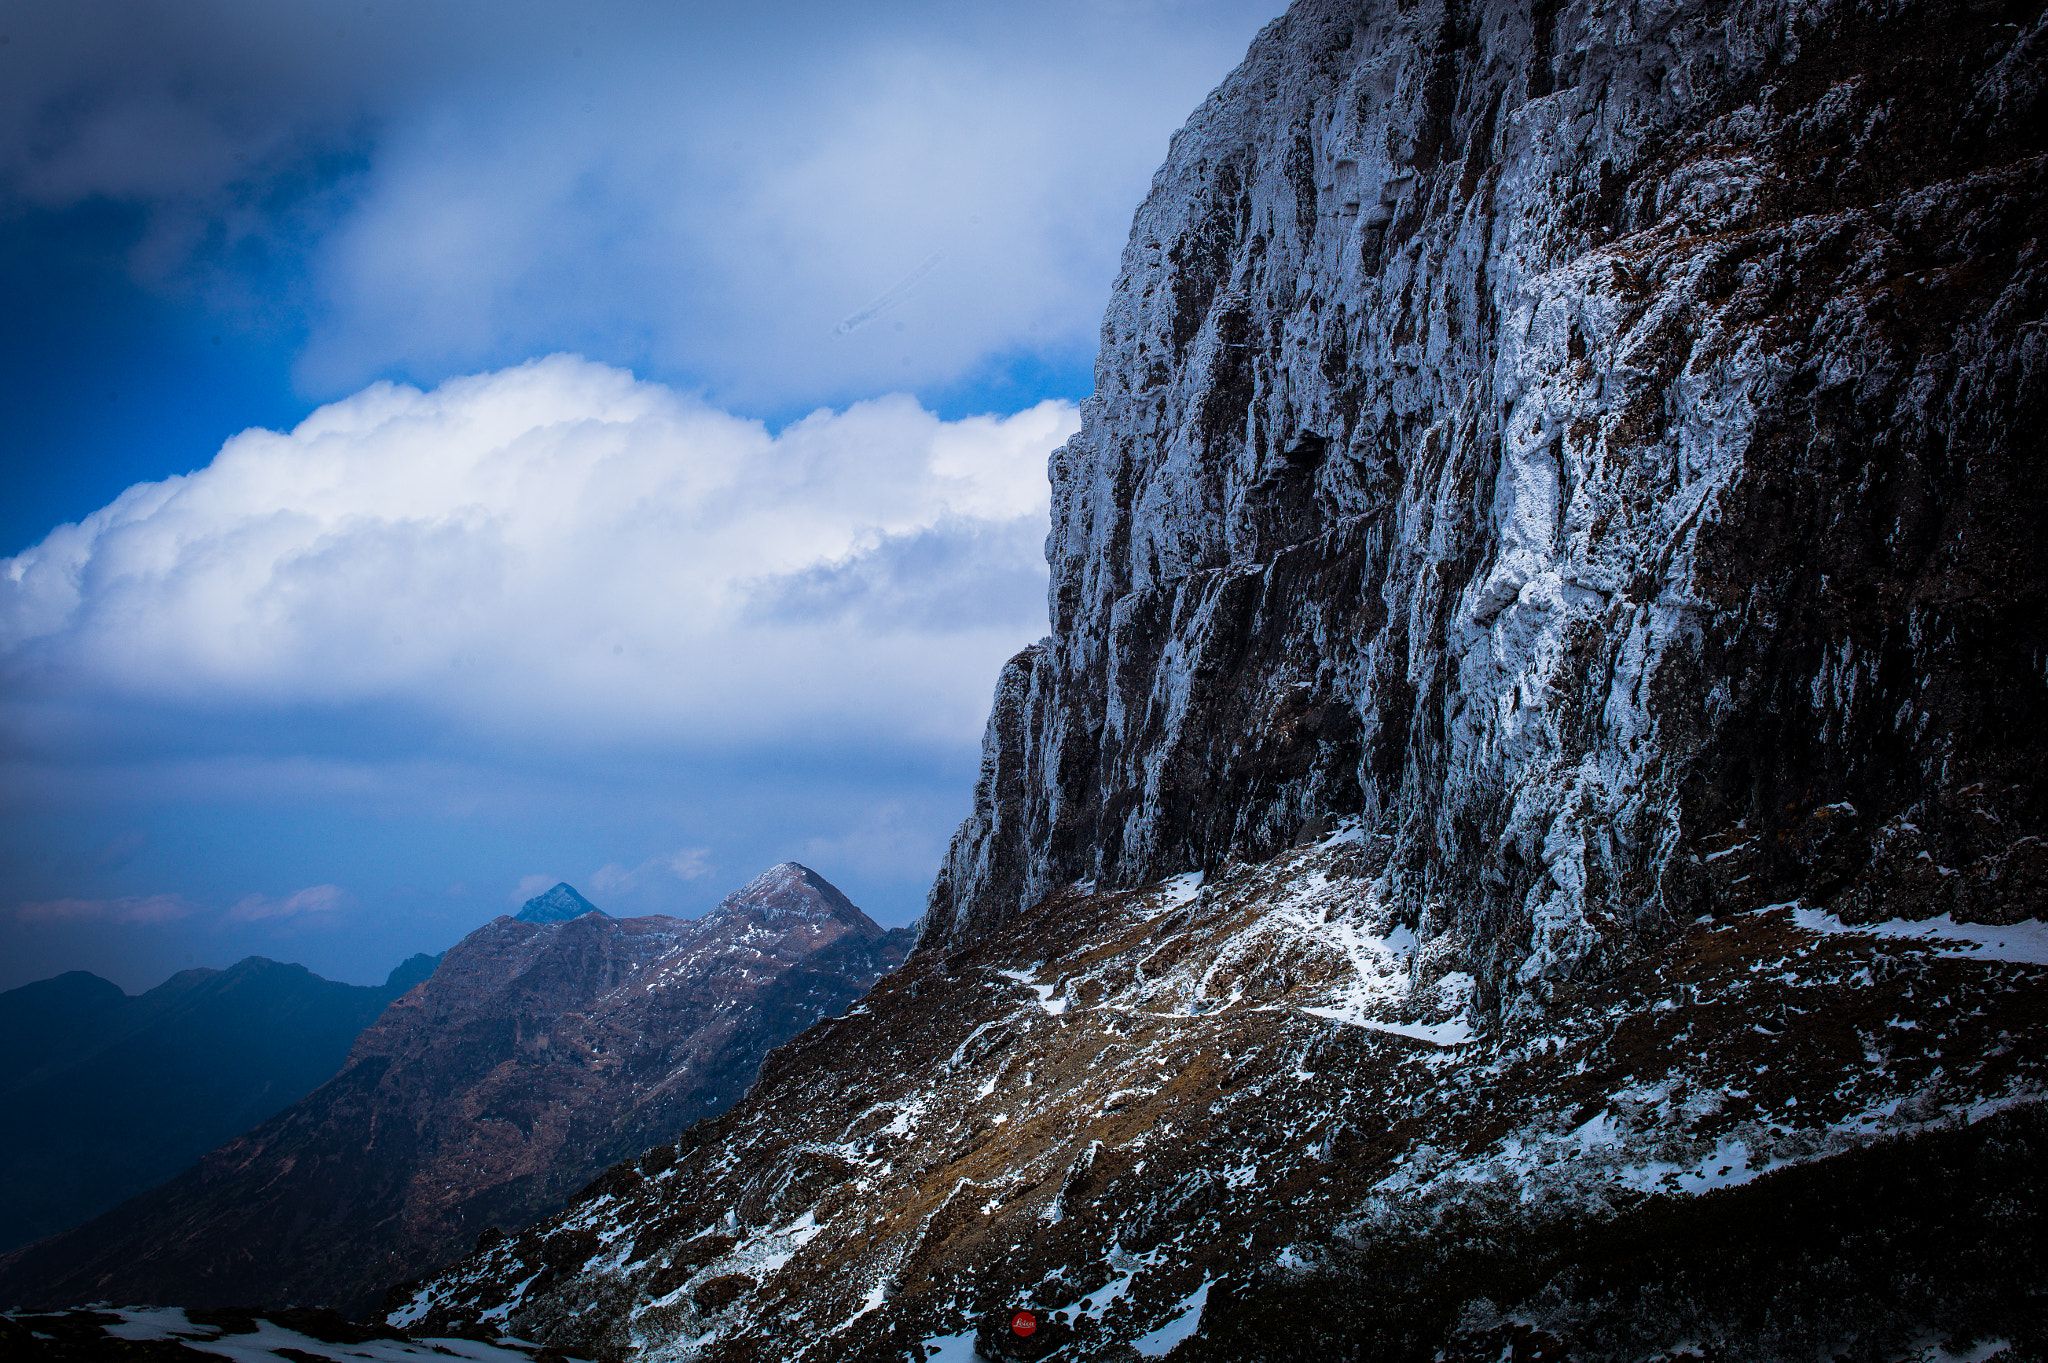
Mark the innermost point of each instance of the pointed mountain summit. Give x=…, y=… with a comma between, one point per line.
x=558, y=905
x=793, y=890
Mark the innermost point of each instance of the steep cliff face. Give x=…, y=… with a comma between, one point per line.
x=536, y=1055
x=1600, y=445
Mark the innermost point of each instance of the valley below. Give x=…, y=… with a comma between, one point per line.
x=535, y=1054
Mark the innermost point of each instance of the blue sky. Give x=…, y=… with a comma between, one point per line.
x=454, y=447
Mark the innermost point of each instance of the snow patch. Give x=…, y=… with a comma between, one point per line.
x=169, y=1323
x=1045, y=992
x=1187, y=1318
x=1457, y=1032
x=951, y=1349
x=2021, y=943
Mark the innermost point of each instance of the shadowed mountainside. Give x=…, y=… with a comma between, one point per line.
x=107, y=1095
x=535, y=1056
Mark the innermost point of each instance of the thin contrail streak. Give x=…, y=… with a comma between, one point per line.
x=896, y=294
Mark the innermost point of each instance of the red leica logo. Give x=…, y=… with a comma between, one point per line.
x=1024, y=1323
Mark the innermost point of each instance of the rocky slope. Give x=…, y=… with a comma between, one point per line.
x=1526, y=841
x=536, y=1055
x=106, y=1095
x=1251, y=1109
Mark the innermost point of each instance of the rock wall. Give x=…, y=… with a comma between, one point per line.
x=1598, y=443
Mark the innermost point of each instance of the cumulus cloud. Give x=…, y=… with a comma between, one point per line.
x=554, y=554
x=312, y=901
x=131, y=909
x=549, y=615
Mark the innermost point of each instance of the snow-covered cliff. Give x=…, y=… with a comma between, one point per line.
x=1598, y=443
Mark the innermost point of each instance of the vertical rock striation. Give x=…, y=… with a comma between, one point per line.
x=1600, y=444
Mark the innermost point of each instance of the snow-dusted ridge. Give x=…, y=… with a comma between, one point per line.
x=540, y=1053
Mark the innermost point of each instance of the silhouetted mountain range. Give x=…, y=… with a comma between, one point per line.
x=108, y=1094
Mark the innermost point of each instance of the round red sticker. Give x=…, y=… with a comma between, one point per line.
x=1024, y=1323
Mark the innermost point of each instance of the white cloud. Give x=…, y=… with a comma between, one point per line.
x=529, y=886
x=549, y=616
x=686, y=863
x=313, y=900
x=710, y=190
x=981, y=194
x=554, y=554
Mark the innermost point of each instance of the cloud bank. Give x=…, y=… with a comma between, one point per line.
x=347, y=684
x=784, y=203
x=555, y=555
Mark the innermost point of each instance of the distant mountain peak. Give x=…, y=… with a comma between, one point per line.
x=791, y=888
x=558, y=905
